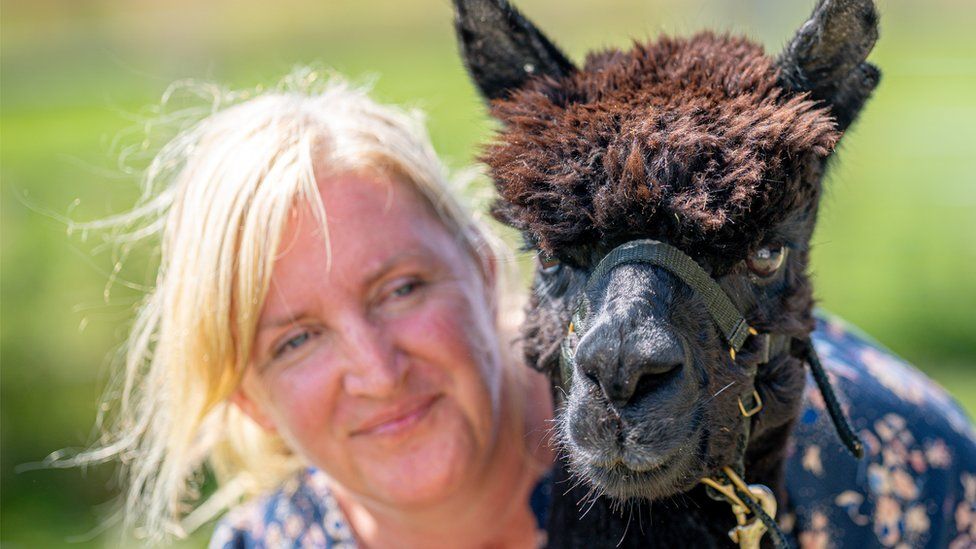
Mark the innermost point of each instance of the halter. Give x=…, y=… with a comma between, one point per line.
x=752, y=499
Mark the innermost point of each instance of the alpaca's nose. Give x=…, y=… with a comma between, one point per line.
x=630, y=366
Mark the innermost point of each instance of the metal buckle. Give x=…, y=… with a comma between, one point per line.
x=752, y=331
x=748, y=532
x=757, y=405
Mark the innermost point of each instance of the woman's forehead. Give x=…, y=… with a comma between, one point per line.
x=370, y=223
x=351, y=198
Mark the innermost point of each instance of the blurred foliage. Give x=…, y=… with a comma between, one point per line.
x=895, y=252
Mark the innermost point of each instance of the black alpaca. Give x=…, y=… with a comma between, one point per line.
x=711, y=146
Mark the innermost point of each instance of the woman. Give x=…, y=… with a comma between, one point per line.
x=327, y=318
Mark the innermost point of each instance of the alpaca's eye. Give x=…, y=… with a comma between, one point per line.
x=548, y=263
x=766, y=261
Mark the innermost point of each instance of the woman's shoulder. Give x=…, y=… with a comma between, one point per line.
x=917, y=482
x=878, y=383
x=302, y=513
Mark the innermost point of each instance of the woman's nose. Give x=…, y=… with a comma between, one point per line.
x=373, y=367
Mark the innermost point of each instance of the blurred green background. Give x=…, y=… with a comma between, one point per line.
x=895, y=252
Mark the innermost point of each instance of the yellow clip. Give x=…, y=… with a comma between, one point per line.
x=726, y=490
x=752, y=331
x=571, y=328
x=749, y=531
x=755, y=409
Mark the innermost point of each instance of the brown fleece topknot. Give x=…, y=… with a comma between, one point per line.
x=686, y=139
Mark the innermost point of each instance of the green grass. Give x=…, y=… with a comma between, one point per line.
x=894, y=252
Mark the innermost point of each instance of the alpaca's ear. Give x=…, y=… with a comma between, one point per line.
x=827, y=57
x=502, y=49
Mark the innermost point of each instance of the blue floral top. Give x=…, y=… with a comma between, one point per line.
x=916, y=486
x=304, y=513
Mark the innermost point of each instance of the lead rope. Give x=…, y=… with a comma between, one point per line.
x=748, y=532
x=842, y=425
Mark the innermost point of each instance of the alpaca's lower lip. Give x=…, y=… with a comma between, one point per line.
x=627, y=476
x=623, y=482
x=628, y=462
x=657, y=465
x=634, y=456
x=626, y=465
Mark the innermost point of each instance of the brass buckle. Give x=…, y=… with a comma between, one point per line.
x=752, y=331
x=748, y=532
x=758, y=405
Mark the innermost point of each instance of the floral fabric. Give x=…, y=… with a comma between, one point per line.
x=304, y=514
x=916, y=486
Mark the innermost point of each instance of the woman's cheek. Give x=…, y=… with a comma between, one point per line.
x=452, y=337
x=445, y=334
x=304, y=397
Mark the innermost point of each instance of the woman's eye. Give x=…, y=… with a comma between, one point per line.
x=406, y=289
x=548, y=264
x=766, y=261
x=293, y=343
x=399, y=290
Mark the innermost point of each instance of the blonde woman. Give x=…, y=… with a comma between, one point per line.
x=329, y=333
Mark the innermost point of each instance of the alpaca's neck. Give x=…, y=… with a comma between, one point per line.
x=691, y=519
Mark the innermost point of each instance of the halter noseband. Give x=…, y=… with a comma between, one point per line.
x=744, y=499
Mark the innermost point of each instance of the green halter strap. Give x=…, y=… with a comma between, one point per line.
x=733, y=326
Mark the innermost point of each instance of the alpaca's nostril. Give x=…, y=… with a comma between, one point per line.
x=652, y=381
x=629, y=365
x=627, y=390
x=591, y=377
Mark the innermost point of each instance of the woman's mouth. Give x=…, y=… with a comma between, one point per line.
x=397, y=419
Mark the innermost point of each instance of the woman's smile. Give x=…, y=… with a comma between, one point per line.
x=396, y=419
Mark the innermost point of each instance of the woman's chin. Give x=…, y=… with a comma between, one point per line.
x=438, y=459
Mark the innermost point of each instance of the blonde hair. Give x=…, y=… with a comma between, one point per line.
x=219, y=195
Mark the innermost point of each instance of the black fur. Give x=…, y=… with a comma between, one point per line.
x=502, y=49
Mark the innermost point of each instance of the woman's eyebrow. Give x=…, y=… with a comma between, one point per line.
x=395, y=260
x=374, y=275
x=281, y=320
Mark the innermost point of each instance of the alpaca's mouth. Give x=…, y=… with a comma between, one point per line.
x=630, y=474
x=628, y=467
x=621, y=482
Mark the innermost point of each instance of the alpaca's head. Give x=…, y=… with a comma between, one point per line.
x=705, y=143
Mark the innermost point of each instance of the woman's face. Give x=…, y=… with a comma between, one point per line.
x=379, y=362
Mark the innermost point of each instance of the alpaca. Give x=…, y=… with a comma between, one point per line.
x=671, y=192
